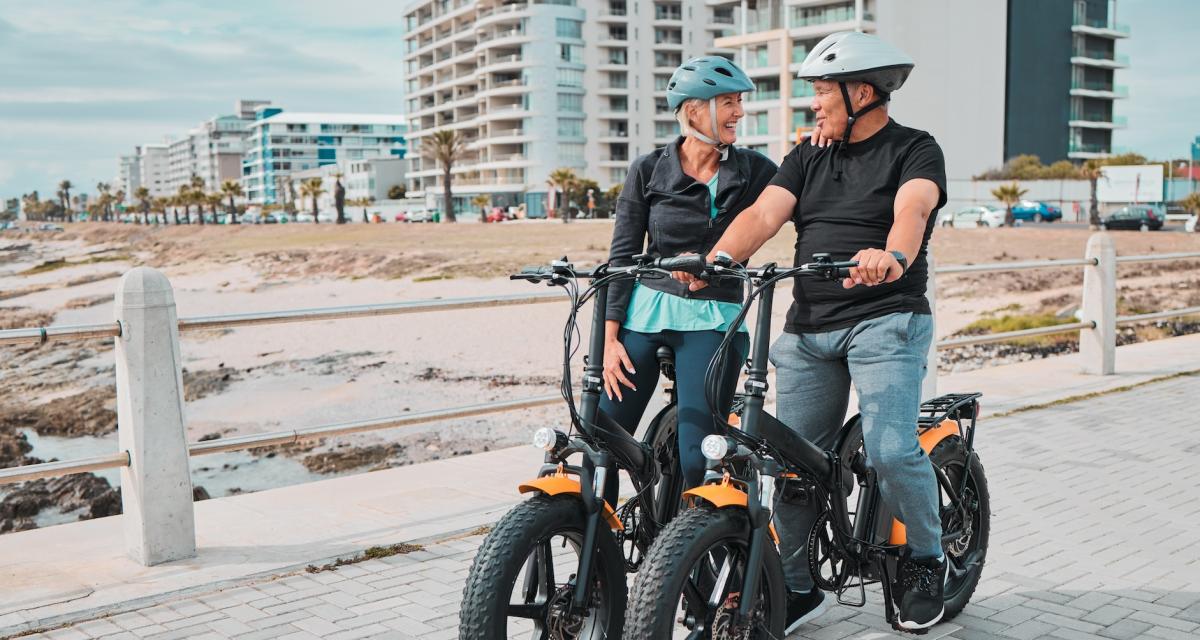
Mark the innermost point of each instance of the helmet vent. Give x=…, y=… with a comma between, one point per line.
x=670, y=86
x=723, y=71
x=831, y=57
x=688, y=68
x=710, y=82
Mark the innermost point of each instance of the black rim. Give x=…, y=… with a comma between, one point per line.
x=709, y=596
x=539, y=605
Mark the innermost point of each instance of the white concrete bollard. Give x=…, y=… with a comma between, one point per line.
x=1098, y=346
x=156, y=487
x=929, y=384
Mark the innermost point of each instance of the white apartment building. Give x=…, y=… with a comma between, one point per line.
x=994, y=79
x=282, y=142
x=535, y=86
x=153, y=167
x=370, y=178
x=129, y=176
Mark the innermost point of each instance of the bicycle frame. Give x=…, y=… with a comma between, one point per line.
x=868, y=540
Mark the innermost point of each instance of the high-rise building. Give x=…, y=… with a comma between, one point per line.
x=994, y=78
x=153, y=168
x=129, y=176
x=283, y=142
x=537, y=86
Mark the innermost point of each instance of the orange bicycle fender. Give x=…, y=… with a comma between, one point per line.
x=725, y=495
x=928, y=440
x=555, y=484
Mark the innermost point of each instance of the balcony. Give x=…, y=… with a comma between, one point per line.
x=1081, y=151
x=1097, y=121
x=1105, y=28
x=1102, y=59
x=1099, y=90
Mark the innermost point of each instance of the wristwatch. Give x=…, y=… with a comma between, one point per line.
x=899, y=255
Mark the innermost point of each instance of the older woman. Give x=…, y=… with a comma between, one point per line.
x=680, y=199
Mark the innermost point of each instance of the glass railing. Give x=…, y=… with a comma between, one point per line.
x=801, y=88
x=1119, y=90
x=1095, y=54
x=1079, y=147
x=1083, y=21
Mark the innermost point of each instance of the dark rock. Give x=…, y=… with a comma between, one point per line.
x=200, y=493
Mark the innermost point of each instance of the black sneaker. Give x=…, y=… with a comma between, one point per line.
x=920, y=593
x=802, y=607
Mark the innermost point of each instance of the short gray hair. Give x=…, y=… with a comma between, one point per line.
x=685, y=127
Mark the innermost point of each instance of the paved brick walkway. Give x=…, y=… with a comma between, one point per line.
x=1095, y=513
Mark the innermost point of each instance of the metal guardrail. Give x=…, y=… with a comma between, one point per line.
x=39, y=335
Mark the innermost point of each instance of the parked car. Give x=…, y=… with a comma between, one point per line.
x=401, y=217
x=326, y=218
x=418, y=216
x=304, y=217
x=1139, y=216
x=49, y=226
x=971, y=217
x=1036, y=211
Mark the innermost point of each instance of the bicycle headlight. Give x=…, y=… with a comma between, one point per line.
x=545, y=438
x=714, y=447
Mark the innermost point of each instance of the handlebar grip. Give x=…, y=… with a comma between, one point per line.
x=693, y=264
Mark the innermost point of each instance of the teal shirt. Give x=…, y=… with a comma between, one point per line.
x=652, y=311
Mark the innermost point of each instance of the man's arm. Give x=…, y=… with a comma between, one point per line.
x=915, y=201
x=752, y=228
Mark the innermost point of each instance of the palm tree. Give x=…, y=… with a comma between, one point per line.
x=339, y=197
x=184, y=199
x=446, y=147
x=564, y=179
x=232, y=189
x=312, y=188
x=1092, y=171
x=142, y=195
x=197, y=195
x=1009, y=194
x=65, y=194
x=1192, y=203
x=118, y=201
x=104, y=188
x=482, y=201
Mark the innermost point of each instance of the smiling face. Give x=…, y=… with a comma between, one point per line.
x=729, y=111
x=830, y=107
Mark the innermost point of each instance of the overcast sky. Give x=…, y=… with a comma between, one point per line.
x=83, y=82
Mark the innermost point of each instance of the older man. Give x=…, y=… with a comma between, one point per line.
x=869, y=196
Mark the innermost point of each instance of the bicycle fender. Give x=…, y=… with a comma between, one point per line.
x=554, y=484
x=929, y=439
x=725, y=495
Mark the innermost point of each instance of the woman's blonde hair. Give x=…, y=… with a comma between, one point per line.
x=685, y=127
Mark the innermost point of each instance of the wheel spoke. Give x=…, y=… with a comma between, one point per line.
x=545, y=560
x=533, y=611
x=530, y=588
x=694, y=601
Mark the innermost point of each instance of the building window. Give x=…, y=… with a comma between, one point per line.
x=570, y=77
x=570, y=128
x=566, y=28
x=803, y=17
x=570, y=153
x=802, y=118
x=570, y=53
x=617, y=175
x=570, y=102
x=618, y=56
x=665, y=129
x=667, y=59
x=668, y=12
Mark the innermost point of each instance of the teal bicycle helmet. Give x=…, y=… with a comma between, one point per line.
x=705, y=78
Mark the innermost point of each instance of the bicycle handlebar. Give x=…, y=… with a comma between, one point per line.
x=694, y=264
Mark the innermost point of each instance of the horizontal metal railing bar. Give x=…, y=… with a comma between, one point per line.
x=308, y=433
x=13, y=475
x=1015, y=266
x=1159, y=257
x=1158, y=315
x=1010, y=335
x=39, y=335
x=361, y=311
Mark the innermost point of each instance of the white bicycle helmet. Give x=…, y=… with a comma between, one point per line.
x=851, y=56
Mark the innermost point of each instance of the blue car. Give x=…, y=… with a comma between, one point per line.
x=1028, y=210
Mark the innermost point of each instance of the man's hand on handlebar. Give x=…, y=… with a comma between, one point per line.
x=875, y=267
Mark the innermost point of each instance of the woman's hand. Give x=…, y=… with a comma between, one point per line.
x=616, y=363
x=818, y=139
x=683, y=276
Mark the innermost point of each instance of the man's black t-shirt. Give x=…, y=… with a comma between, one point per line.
x=842, y=217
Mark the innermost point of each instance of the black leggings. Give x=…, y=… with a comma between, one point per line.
x=693, y=351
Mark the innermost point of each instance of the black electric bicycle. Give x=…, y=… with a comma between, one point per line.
x=554, y=566
x=715, y=570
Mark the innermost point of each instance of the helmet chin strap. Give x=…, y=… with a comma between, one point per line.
x=852, y=116
x=715, y=141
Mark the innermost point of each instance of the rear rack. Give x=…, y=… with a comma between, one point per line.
x=952, y=406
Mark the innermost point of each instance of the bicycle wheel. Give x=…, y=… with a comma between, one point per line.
x=523, y=577
x=665, y=445
x=692, y=578
x=967, y=553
